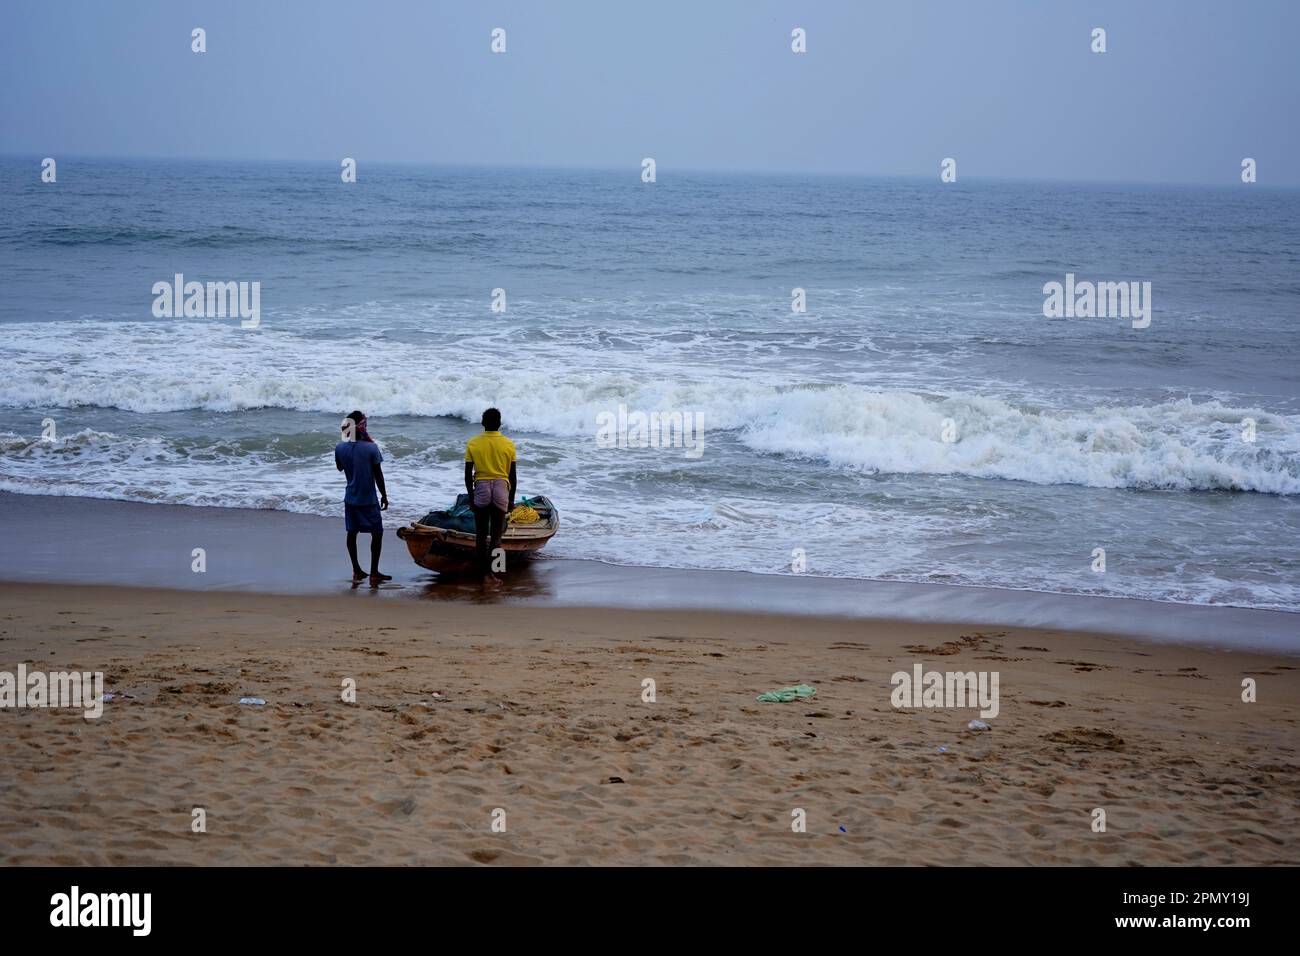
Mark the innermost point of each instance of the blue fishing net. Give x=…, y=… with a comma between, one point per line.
x=460, y=516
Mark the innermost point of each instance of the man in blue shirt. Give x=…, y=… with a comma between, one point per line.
x=358, y=457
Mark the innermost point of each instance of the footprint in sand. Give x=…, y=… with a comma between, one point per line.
x=1086, y=738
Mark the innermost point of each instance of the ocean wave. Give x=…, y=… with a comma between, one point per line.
x=1179, y=445
x=553, y=389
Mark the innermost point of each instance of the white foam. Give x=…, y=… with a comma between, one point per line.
x=556, y=390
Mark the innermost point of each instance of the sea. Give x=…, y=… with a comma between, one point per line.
x=878, y=392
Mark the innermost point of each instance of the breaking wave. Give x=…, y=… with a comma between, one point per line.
x=1177, y=445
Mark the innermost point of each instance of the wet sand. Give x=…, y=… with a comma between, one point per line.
x=90, y=541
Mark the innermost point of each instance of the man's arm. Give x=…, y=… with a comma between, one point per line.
x=514, y=483
x=383, y=492
x=469, y=477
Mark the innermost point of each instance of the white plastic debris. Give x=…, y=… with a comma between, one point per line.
x=252, y=700
x=978, y=725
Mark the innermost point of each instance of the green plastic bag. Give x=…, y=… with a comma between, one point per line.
x=784, y=695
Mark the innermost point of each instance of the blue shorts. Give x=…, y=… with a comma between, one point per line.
x=364, y=518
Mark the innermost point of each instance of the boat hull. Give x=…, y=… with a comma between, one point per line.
x=452, y=552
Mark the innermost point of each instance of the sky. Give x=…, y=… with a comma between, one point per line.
x=1008, y=88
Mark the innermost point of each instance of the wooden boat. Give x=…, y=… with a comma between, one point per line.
x=449, y=551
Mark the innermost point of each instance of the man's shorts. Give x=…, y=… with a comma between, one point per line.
x=366, y=519
x=494, y=492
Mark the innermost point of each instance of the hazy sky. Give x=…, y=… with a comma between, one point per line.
x=1185, y=90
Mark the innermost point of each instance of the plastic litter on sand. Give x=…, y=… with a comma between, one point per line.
x=783, y=695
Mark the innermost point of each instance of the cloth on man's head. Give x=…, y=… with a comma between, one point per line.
x=362, y=434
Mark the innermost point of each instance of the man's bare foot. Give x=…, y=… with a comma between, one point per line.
x=491, y=581
x=377, y=576
x=358, y=575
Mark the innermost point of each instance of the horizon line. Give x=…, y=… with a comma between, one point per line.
x=634, y=168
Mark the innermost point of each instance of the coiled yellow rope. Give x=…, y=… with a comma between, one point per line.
x=524, y=515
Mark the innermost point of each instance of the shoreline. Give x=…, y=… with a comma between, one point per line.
x=91, y=541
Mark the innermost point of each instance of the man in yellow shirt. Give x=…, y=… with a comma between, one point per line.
x=490, y=479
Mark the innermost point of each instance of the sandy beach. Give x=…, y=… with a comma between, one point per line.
x=465, y=709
